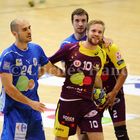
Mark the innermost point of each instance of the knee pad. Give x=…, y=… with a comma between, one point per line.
x=121, y=133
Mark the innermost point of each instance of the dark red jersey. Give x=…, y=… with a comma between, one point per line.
x=81, y=65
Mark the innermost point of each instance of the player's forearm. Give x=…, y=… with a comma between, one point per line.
x=98, y=82
x=13, y=92
x=120, y=81
x=54, y=70
x=57, y=71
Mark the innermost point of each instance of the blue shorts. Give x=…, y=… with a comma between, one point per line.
x=20, y=124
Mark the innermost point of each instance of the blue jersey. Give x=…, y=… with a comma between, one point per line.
x=24, y=66
x=71, y=39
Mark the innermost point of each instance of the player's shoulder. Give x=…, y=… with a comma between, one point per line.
x=113, y=47
x=8, y=51
x=68, y=40
x=34, y=46
x=71, y=46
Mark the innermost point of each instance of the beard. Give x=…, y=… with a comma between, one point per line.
x=93, y=42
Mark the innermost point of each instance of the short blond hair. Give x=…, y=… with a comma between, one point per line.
x=92, y=22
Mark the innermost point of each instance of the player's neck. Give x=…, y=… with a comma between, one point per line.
x=21, y=46
x=79, y=36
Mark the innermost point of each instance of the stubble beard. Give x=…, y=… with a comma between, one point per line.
x=92, y=43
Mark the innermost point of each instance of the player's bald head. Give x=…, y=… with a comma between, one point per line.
x=15, y=23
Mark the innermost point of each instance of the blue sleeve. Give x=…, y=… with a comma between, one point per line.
x=6, y=63
x=68, y=40
x=43, y=58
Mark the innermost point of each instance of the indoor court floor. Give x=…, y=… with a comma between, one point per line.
x=51, y=24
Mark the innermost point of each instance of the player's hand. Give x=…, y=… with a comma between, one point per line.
x=110, y=99
x=111, y=96
x=38, y=106
x=107, y=42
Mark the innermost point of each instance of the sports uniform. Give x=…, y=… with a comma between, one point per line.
x=21, y=121
x=114, y=63
x=71, y=39
x=109, y=76
x=75, y=106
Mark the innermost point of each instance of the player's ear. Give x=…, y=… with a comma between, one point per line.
x=14, y=33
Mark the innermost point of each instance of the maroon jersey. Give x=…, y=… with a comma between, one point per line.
x=81, y=65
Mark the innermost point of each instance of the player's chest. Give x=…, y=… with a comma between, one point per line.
x=26, y=65
x=77, y=60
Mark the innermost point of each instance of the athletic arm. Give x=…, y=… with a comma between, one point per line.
x=52, y=70
x=121, y=79
x=119, y=83
x=119, y=63
x=98, y=82
x=16, y=95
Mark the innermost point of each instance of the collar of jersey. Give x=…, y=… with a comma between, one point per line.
x=87, y=51
x=21, y=49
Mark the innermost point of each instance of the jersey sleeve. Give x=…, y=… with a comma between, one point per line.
x=60, y=55
x=68, y=40
x=6, y=63
x=115, y=56
x=64, y=43
x=103, y=60
x=43, y=58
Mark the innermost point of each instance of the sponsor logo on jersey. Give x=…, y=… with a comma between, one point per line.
x=35, y=61
x=20, y=131
x=120, y=62
x=6, y=65
x=118, y=56
x=59, y=129
x=96, y=53
x=68, y=118
x=18, y=62
x=21, y=127
x=77, y=63
x=91, y=114
x=96, y=67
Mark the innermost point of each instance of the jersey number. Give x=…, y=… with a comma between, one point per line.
x=93, y=124
x=115, y=114
x=26, y=69
x=87, y=65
